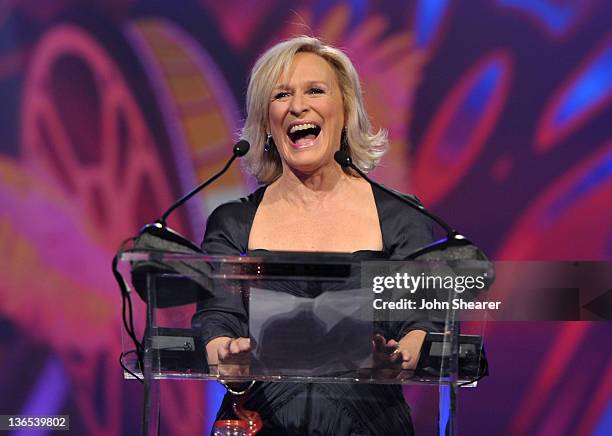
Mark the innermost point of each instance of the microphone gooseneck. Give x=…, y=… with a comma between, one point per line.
x=240, y=149
x=345, y=161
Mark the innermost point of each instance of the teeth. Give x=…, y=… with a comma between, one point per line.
x=302, y=127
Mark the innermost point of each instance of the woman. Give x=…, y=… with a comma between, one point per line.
x=304, y=102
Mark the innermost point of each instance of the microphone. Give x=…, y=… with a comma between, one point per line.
x=455, y=247
x=158, y=237
x=193, y=278
x=160, y=230
x=453, y=238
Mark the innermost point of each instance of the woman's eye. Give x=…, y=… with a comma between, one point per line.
x=281, y=95
x=316, y=91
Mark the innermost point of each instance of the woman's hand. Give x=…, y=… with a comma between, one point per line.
x=234, y=351
x=409, y=348
x=228, y=350
x=232, y=355
x=385, y=352
x=400, y=355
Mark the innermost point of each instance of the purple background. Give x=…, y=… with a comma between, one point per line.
x=499, y=114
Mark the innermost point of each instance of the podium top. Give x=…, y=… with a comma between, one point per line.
x=254, y=256
x=255, y=266
x=318, y=308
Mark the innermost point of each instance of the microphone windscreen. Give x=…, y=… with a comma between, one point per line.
x=343, y=158
x=241, y=148
x=177, y=282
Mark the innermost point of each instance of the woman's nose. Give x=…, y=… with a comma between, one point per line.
x=297, y=105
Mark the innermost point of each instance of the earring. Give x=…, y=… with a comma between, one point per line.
x=269, y=145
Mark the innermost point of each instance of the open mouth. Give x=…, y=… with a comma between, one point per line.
x=303, y=135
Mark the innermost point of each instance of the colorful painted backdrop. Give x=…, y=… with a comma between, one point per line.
x=500, y=119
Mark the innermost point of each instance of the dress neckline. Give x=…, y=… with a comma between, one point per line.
x=358, y=253
x=257, y=197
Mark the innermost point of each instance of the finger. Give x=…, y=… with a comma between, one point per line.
x=378, y=341
x=393, y=344
x=222, y=352
x=391, y=347
x=408, y=365
x=234, y=346
x=396, y=355
x=244, y=344
x=381, y=346
x=407, y=360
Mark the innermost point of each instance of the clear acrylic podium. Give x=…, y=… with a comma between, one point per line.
x=333, y=309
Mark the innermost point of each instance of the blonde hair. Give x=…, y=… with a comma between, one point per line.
x=365, y=147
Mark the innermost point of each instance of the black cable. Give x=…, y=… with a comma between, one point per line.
x=125, y=368
x=469, y=382
x=126, y=303
x=484, y=373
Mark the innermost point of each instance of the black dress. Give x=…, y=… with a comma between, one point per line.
x=315, y=409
